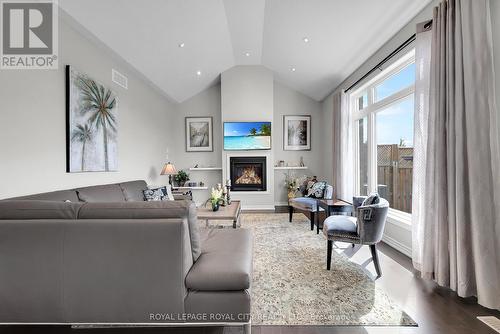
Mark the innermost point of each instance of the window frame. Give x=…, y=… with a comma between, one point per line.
x=370, y=111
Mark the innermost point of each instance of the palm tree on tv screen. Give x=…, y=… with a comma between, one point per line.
x=100, y=102
x=253, y=131
x=265, y=129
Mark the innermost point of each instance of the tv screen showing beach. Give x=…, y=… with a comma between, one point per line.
x=247, y=135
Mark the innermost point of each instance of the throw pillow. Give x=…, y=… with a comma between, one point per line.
x=373, y=198
x=157, y=194
x=317, y=190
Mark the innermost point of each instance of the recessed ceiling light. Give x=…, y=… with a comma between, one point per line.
x=247, y=54
x=305, y=39
x=181, y=45
x=198, y=73
x=292, y=69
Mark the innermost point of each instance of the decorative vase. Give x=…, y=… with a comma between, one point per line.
x=291, y=194
x=215, y=206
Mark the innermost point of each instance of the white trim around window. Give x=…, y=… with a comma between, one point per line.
x=370, y=108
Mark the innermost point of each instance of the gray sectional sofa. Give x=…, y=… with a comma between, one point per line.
x=101, y=255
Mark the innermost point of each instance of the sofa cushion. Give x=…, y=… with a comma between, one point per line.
x=158, y=194
x=60, y=196
x=37, y=210
x=102, y=193
x=148, y=210
x=132, y=191
x=225, y=263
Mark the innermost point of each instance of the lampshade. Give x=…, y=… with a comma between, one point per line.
x=168, y=169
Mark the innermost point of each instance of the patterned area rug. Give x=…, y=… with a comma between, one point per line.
x=291, y=285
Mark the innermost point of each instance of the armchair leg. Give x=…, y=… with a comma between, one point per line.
x=290, y=213
x=329, y=247
x=376, y=262
x=313, y=215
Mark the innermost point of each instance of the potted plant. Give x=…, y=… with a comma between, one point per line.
x=181, y=178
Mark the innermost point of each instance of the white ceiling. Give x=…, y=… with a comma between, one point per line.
x=217, y=34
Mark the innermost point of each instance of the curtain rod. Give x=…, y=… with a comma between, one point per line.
x=385, y=60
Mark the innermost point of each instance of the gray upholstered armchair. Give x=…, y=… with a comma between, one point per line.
x=366, y=228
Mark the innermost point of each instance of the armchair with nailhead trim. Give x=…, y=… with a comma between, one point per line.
x=366, y=228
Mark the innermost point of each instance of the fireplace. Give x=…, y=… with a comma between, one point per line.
x=248, y=173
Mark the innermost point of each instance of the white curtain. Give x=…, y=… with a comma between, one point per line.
x=457, y=226
x=343, y=177
x=420, y=120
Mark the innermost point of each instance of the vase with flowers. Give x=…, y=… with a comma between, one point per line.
x=291, y=184
x=215, y=198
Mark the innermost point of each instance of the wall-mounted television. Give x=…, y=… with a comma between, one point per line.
x=239, y=136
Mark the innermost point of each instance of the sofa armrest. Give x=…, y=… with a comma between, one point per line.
x=225, y=263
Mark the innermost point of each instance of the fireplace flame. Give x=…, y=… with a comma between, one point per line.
x=249, y=176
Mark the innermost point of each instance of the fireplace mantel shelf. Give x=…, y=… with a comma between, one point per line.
x=291, y=167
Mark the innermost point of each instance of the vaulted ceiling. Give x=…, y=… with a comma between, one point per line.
x=182, y=46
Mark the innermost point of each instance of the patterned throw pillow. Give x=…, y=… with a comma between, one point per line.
x=373, y=198
x=317, y=190
x=158, y=194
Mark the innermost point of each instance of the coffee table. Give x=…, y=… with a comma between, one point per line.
x=229, y=212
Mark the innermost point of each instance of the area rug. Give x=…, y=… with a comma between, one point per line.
x=291, y=285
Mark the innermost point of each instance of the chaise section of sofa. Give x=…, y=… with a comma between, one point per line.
x=118, y=262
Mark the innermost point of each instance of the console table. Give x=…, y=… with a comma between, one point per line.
x=229, y=212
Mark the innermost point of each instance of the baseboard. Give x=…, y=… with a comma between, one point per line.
x=397, y=245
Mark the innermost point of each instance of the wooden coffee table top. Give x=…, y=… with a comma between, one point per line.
x=224, y=213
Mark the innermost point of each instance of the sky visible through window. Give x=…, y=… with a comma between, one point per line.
x=395, y=123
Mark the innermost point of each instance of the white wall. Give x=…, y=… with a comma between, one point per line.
x=290, y=102
x=204, y=104
x=247, y=94
x=32, y=122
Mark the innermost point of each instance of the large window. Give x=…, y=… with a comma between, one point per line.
x=383, y=129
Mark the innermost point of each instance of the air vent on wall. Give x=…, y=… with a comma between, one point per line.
x=119, y=79
x=491, y=321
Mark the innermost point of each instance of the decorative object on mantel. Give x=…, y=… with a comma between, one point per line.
x=91, y=131
x=296, y=133
x=169, y=169
x=199, y=134
x=301, y=164
x=281, y=163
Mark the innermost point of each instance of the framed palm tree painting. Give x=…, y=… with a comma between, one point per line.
x=91, y=125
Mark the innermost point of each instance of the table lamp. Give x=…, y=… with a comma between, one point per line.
x=169, y=169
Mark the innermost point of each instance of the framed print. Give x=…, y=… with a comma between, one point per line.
x=296, y=133
x=91, y=124
x=199, y=134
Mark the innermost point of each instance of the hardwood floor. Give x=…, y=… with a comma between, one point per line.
x=435, y=309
